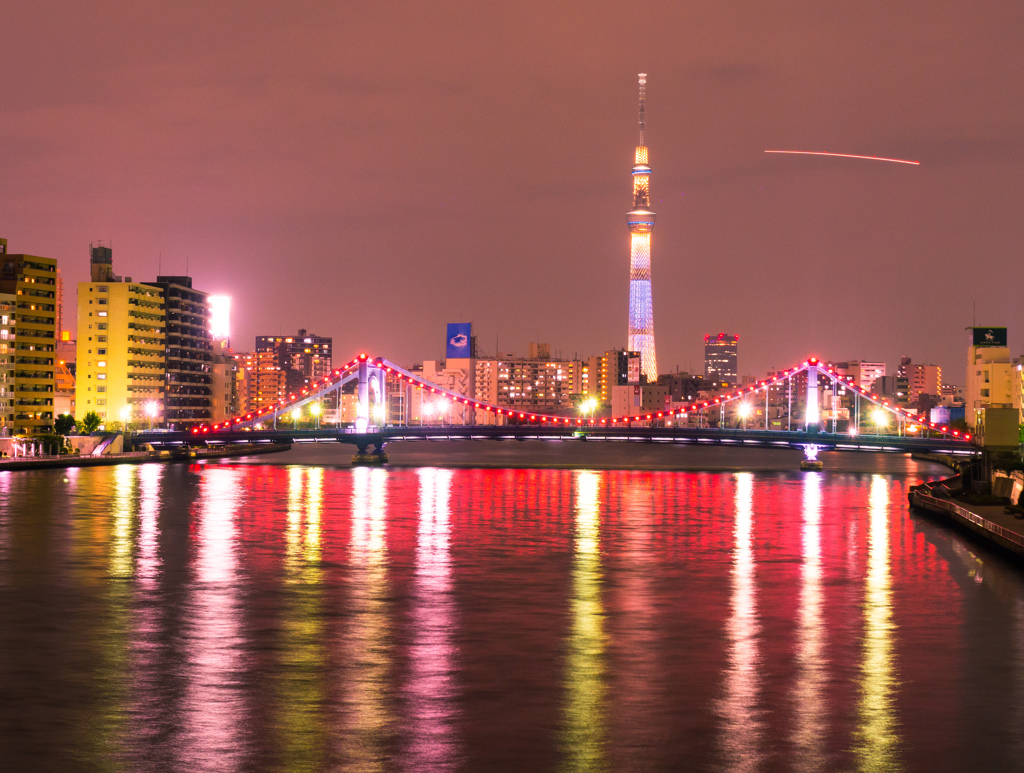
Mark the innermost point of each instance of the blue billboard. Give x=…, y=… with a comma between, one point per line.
x=460, y=339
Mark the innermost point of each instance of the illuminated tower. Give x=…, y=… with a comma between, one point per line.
x=641, y=222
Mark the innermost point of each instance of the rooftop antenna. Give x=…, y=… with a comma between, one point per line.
x=643, y=99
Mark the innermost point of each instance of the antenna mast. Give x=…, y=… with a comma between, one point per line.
x=643, y=99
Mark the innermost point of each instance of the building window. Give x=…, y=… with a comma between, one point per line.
x=101, y=314
x=101, y=351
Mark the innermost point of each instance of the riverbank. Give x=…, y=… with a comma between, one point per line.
x=141, y=457
x=991, y=523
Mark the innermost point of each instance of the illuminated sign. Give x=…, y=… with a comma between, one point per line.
x=220, y=316
x=459, y=339
x=988, y=336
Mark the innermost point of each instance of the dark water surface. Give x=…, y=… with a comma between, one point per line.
x=279, y=616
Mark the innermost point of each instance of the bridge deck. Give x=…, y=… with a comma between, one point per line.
x=688, y=435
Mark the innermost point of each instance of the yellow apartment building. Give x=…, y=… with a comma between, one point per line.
x=32, y=280
x=120, y=355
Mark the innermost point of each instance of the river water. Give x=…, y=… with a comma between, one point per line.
x=292, y=613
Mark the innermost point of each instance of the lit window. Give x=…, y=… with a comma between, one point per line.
x=101, y=314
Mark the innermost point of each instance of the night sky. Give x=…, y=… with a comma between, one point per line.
x=373, y=171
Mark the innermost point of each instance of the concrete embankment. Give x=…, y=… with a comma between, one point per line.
x=991, y=522
x=141, y=457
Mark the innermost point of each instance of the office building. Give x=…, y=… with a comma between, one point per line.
x=530, y=384
x=188, y=395
x=989, y=373
x=119, y=362
x=32, y=281
x=864, y=373
x=721, y=360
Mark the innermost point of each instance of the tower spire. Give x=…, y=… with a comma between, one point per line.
x=640, y=220
x=643, y=99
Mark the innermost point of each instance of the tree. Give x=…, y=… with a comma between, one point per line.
x=64, y=424
x=90, y=423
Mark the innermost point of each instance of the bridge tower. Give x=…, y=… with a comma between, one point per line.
x=812, y=416
x=640, y=220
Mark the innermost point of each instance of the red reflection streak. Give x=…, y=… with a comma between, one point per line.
x=213, y=703
x=844, y=155
x=431, y=686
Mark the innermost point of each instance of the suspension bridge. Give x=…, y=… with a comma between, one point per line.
x=720, y=420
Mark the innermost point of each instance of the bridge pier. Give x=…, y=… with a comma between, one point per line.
x=810, y=462
x=364, y=456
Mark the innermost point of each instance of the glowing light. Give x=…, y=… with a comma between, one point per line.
x=315, y=409
x=152, y=408
x=296, y=414
x=220, y=316
x=880, y=417
x=743, y=410
x=845, y=155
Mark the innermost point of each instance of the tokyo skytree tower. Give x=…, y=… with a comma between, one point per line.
x=641, y=223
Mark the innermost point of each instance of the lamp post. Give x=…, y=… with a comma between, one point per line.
x=880, y=419
x=152, y=407
x=743, y=410
x=315, y=410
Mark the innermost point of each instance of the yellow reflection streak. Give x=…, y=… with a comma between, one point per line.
x=148, y=570
x=370, y=632
x=876, y=737
x=121, y=564
x=431, y=679
x=742, y=728
x=811, y=722
x=584, y=735
x=302, y=689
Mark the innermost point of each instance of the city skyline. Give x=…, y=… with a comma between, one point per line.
x=310, y=174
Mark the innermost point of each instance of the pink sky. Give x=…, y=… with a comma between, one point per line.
x=374, y=171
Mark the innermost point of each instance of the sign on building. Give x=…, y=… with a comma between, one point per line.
x=459, y=341
x=988, y=336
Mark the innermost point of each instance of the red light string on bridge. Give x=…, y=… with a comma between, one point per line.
x=720, y=400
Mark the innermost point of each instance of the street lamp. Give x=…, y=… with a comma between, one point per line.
x=880, y=418
x=588, y=407
x=126, y=416
x=743, y=410
x=296, y=415
x=152, y=408
x=315, y=410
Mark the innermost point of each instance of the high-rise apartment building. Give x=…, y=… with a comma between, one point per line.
x=640, y=220
x=119, y=362
x=8, y=317
x=864, y=373
x=529, y=384
x=304, y=357
x=611, y=370
x=721, y=360
x=32, y=281
x=188, y=394
x=260, y=382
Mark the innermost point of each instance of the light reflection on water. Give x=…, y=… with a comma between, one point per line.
x=230, y=617
x=877, y=739
x=742, y=727
x=583, y=739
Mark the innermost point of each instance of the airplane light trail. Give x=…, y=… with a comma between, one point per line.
x=844, y=155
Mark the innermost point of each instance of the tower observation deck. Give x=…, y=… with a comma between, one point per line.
x=641, y=222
